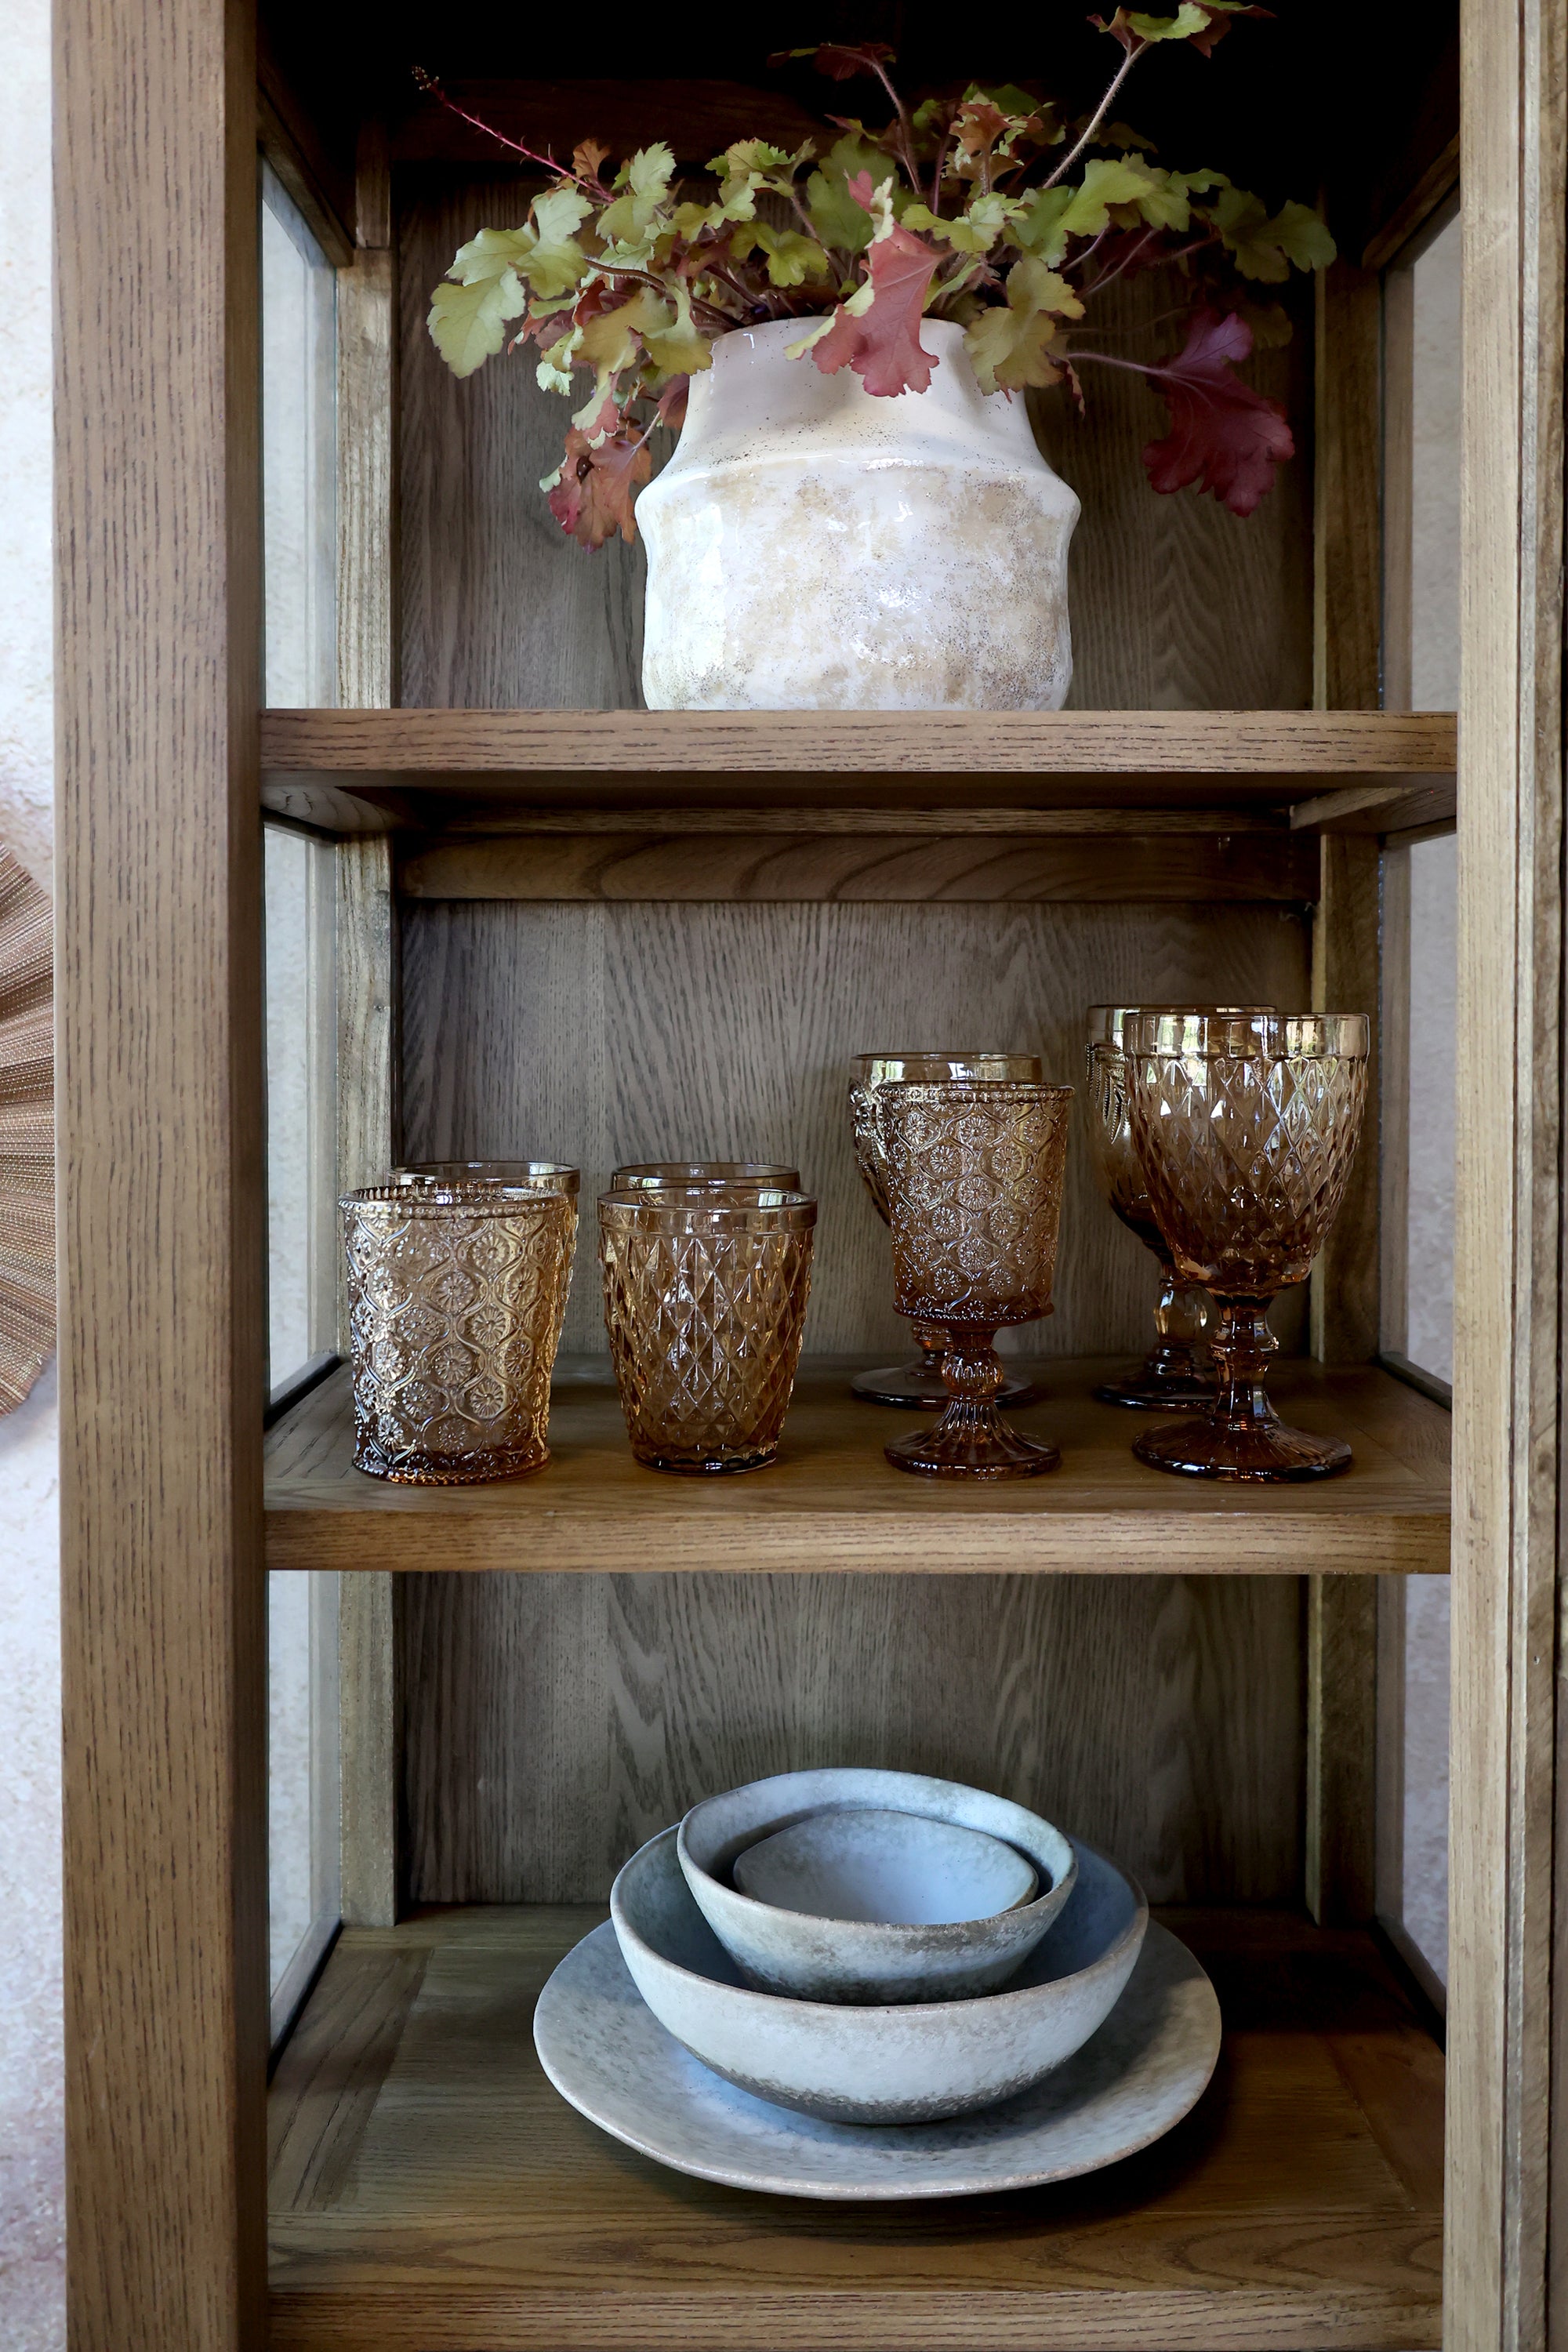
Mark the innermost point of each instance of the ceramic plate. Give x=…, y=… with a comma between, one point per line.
x=607, y=2053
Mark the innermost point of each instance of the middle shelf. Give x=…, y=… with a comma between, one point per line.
x=831, y=1503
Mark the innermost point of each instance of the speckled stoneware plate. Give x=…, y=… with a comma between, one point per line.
x=606, y=2053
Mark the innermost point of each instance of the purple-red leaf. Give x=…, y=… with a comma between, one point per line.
x=882, y=342
x=593, y=500
x=1223, y=436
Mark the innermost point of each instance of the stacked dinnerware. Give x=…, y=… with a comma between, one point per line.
x=866, y=1955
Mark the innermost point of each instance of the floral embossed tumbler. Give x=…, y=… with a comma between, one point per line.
x=705, y=1293
x=455, y=1294
x=974, y=1175
x=1246, y=1126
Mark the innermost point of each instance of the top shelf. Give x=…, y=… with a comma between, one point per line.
x=352, y=771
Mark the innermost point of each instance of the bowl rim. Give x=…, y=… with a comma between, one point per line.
x=886, y=2010
x=915, y=1928
x=1058, y=1892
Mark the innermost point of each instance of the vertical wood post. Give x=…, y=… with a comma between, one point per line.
x=160, y=1089
x=1509, y=1221
x=367, y=976
x=1347, y=602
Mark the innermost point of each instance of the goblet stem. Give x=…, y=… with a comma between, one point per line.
x=972, y=1440
x=1242, y=1347
x=1176, y=1371
x=932, y=1341
x=1243, y=1437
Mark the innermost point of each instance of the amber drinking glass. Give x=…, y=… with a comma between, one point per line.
x=1178, y=1370
x=539, y=1175
x=916, y=1386
x=657, y=1175
x=705, y=1293
x=974, y=1174
x=1246, y=1126
x=456, y=1295
x=543, y=1175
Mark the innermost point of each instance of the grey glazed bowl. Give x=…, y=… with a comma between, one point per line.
x=887, y=1869
x=850, y=1961
x=910, y=2063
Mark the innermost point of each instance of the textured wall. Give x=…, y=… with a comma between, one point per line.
x=31, y=2253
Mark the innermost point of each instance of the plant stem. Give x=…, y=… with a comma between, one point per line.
x=1097, y=117
x=428, y=83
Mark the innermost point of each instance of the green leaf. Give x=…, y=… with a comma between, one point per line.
x=551, y=260
x=1010, y=349
x=678, y=349
x=1059, y=213
x=792, y=257
x=1264, y=248
x=467, y=321
x=646, y=181
x=1032, y=286
x=1188, y=19
x=838, y=219
x=1302, y=236
x=1040, y=230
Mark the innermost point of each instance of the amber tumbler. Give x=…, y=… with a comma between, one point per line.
x=974, y=1177
x=1246, y=1126
x=658, y=1175
x=916, y=1386
x=1178, y=1368
x=456, y=1294
x=705, y=1293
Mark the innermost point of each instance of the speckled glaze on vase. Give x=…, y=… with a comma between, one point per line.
x=811, y=547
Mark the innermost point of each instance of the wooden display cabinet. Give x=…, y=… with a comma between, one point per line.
x=565, y=922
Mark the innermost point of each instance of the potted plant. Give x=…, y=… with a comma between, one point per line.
x=856, y=515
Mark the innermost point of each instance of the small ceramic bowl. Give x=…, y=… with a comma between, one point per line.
x=885, y=1870
x=848, y=1961
x=908, y=2064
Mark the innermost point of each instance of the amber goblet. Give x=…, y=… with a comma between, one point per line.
x=1177, y=1370
x=1247, y=1126
x=974, y=1174
x=918, y=1386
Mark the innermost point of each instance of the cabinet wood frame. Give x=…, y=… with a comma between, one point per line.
x=161, y=1150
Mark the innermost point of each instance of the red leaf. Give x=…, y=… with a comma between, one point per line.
x=1223, y=436
x=882, y=344
x=593, y=500
x=1220, y=24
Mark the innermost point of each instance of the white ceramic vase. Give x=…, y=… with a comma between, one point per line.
x=813, y=548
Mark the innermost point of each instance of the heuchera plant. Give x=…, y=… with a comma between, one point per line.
x=989, y=209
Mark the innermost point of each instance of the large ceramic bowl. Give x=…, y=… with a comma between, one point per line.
x=910, y=2063
x=836, y=1959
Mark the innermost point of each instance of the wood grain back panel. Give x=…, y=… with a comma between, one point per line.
x=498, y=605
x=552, y=1724
x=1177, y=605
x=595, y=1034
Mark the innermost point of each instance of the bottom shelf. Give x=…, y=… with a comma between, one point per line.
x=430, y=2192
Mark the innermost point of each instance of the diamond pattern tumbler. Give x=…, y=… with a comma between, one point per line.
x=705, y=1295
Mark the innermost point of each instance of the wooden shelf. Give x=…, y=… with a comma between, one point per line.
x=350, y=770
x=430, y=2192
x=832, y=1502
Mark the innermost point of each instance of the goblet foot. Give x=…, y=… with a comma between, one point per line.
x=971, y=1440
x=972, y=1451
x=917, y=1387
x=1168, y=1378
x=1218, y=1446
